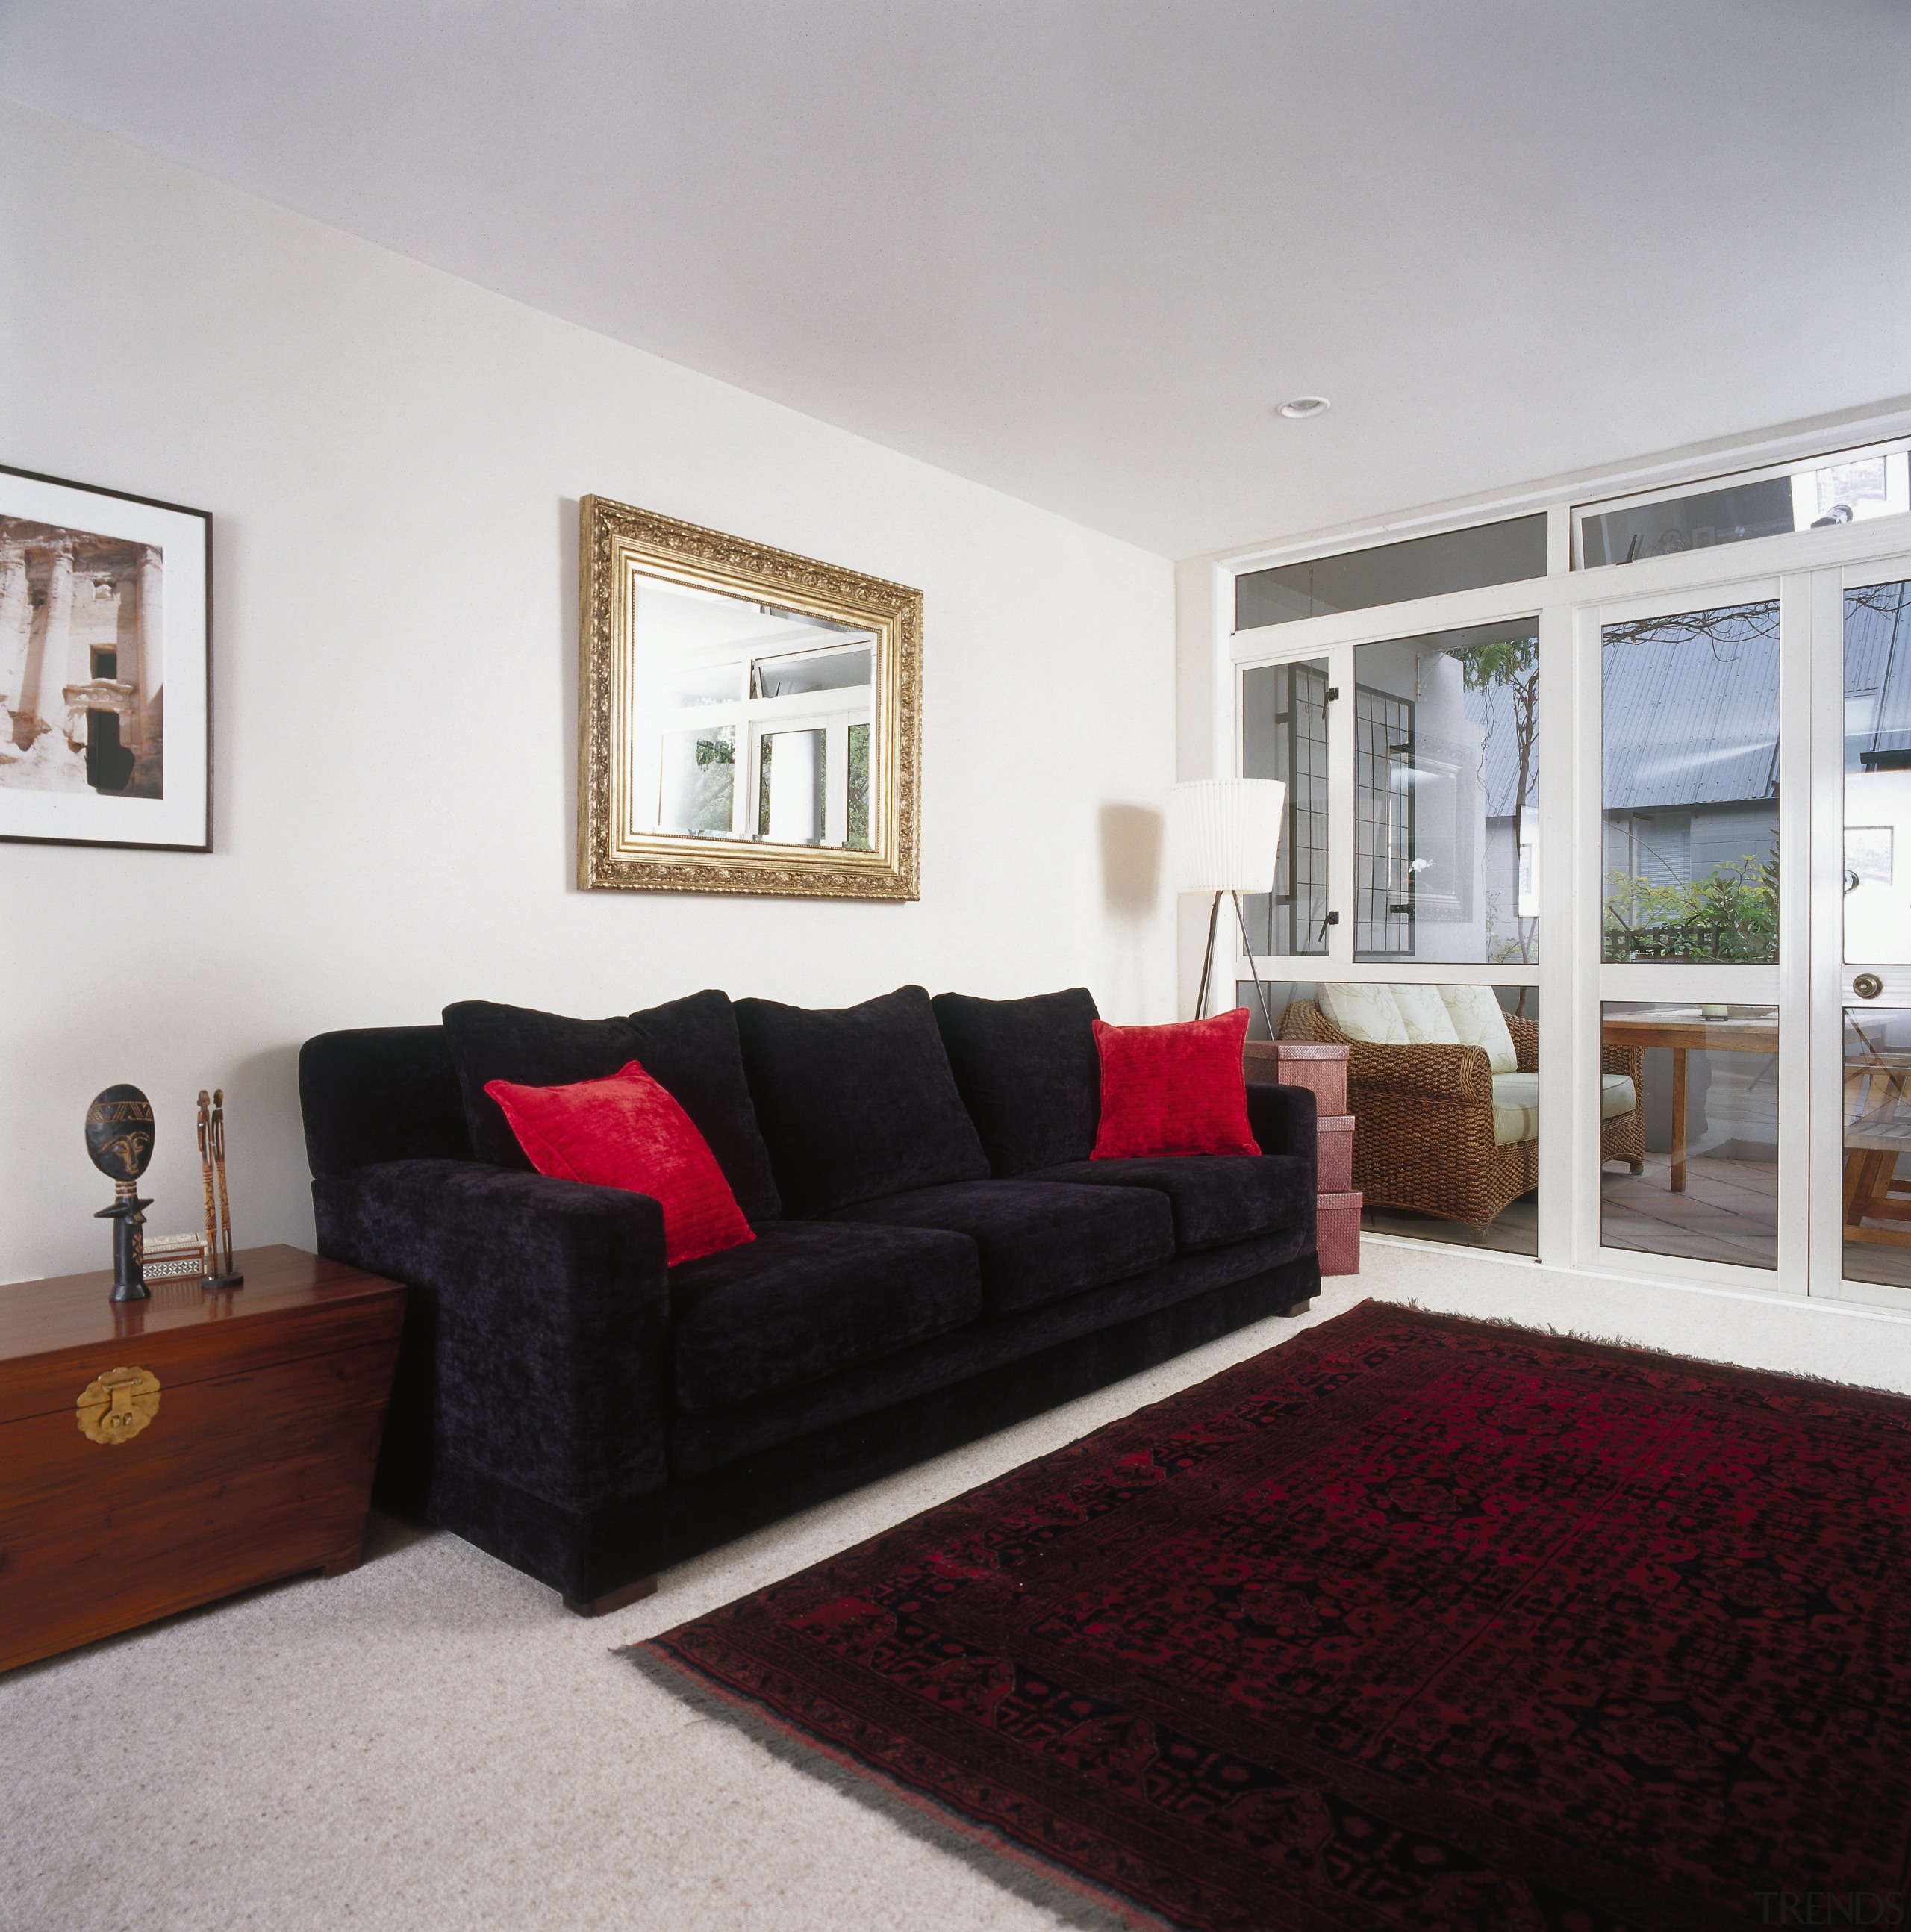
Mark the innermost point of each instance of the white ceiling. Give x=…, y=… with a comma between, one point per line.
x=1078, y=249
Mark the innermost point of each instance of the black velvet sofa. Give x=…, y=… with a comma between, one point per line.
x=936, y=1257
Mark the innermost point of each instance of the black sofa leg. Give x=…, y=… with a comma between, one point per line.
x=614, y=1600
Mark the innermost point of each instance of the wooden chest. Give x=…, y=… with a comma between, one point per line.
x=239, y=1449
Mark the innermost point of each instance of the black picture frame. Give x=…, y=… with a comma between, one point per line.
x=142, y=779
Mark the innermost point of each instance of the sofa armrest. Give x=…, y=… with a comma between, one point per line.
x=1630, y=1060
x=1462, y=1073
x=538, y=1334
x=1526, y=1036
x=1283, y=1118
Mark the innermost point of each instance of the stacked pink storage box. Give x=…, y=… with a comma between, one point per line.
x=1302, y=1063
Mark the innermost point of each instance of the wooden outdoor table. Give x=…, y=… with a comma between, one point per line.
x=1683, y=1036
x=1877, y=1135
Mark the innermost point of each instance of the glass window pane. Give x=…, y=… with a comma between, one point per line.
x=1453, y=1154
x=1446, y=788
x=1877, y=1132
x=1850, y=488
x=1877, y=895
x=697, y=792
x=1502, y=553
x=1691, y=786
x=790, y=781
x=1284, y=712
x=843, y=668
x=1694, y=1170
x=859, y=788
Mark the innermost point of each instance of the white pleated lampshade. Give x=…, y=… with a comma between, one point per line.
x=1224, y=834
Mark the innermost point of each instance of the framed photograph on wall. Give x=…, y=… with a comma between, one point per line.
x=105, y=666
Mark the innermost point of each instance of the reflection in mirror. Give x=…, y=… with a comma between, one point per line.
x=724, y=683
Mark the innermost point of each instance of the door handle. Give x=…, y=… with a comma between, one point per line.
x=1867, y=986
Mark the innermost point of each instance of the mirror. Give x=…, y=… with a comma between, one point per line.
x=747, y=718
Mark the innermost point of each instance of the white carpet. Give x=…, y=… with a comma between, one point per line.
x=432, y=1741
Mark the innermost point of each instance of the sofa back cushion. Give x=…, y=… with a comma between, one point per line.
x=1028, y=1073
x=1423, y=1013
x=379, y=1094
x=1368, y=1013
x=856, y=1102
x=689, y=1046
x=1480, y=1020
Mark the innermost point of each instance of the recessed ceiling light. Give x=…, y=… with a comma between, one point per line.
x=1303, y=407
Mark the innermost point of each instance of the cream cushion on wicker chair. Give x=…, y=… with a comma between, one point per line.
x=1424, y=1015
x=1617, y=1096
x=1516, y=1104
x=1369, y=1014
x=1516, y=1108
x=1479, y=1020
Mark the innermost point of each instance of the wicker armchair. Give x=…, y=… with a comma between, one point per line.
x=1423, y=1120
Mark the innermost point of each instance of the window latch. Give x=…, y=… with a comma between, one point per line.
x=1328, y=919
x=1332, y=692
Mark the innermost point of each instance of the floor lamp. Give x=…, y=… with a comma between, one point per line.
x=1224, y=836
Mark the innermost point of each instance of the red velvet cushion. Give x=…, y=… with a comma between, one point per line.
x=625, y=1131
x=1174, y=1089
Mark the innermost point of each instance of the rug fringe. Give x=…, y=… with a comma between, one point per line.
x=1012, y=1866
x=1546, y=1331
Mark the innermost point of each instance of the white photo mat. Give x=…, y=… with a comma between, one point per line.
x=54, y=807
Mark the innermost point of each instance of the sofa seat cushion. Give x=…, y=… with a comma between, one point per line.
x=1037, y=1242
x=856, y=1102
x=1516, y=1105
x=1516, y=1108
x=1618, y=1096
x=805, y=1299
x=1215, y=1198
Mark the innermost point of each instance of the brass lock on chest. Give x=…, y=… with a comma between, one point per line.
x=115, y=1407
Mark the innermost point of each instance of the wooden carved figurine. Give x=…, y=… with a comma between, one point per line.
x=119, y=1142
x=212, y=1178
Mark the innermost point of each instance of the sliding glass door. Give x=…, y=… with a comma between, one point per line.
x=1651, y=854
x=1691, y=896
x=1404, y=919
x=1861, y=1167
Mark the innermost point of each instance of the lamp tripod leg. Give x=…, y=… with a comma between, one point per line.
x=1207, y=960
x=1247, y=952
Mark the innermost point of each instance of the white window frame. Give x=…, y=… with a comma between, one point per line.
x=1571, y=978
x=1725, y=480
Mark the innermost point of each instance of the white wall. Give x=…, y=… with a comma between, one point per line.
x=393, y=460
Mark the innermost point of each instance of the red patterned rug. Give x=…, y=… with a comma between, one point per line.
x=1411, y=1622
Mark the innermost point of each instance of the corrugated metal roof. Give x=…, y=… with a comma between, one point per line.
x=1878, y=670
x=1499, y=766
x=1693, y=719
x=1690, y=720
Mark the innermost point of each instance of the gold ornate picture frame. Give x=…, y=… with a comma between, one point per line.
x=748, y=720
